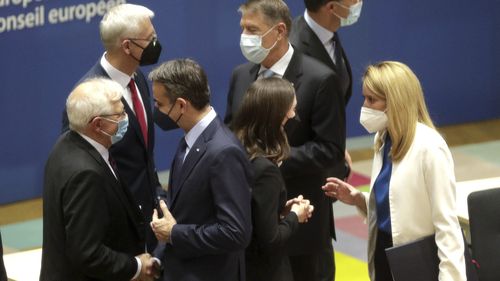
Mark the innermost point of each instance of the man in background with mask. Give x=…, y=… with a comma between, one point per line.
x=315, y=34
x=92, y=228
x=317, y=140
x=129, y=38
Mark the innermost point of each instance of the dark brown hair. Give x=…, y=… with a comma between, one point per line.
x=258, y=122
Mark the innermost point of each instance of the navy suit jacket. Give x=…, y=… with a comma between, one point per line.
x=92, y=229
x=134, y=160
x=317, y=141
x=211, y=204
x=304, y=39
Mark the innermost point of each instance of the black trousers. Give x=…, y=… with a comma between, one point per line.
x=382, y=269
x=319, y=266
x=3, y=274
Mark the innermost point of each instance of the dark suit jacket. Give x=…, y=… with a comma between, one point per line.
x=266, y=257
x=91, y=227
x=3, y=274
x=211, y=204
x=134, y=160
x=304, y=39
x=317, y=141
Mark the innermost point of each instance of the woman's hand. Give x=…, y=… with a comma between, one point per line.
x=343, y=191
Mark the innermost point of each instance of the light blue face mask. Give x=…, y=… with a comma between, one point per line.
x=122, y=129
x=354, y=14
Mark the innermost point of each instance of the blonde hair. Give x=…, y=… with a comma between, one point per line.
x=92, y=98
x=395, y=83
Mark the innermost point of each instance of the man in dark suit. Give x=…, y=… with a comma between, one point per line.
x=3, y=274
x=135, y=45
x=207, y=225
x=315, y=34
x=92, y=228
x=317, y=140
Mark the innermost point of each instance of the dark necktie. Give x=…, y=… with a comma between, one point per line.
x=340, y=66
x=139, y=111
x=112, y=163
x=178, y=161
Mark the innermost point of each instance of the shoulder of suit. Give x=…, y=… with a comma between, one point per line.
x=311, y=65
x=261, y=164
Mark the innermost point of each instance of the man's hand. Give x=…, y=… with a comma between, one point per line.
x=163, y=227
x=149, y=268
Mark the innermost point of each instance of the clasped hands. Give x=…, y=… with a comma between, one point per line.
x=150, y=268
x=300, y=206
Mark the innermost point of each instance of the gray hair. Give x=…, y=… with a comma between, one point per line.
x=122, y=21
x=274, y=11
x=92, y=98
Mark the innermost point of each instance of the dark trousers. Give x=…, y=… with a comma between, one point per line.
x=316, y=267
x=382, y=269
x=3, y=274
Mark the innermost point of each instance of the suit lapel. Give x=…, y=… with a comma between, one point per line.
x=122, y=192
x=309, y=38
x=193, y=157
x=294, y=70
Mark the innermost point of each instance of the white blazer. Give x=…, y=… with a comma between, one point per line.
x=421, y=202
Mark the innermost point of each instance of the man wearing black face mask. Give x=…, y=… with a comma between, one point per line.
x=130, y=40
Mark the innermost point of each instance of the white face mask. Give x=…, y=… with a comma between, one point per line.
x=354, y=13
x=373, y=120
x=251, y=47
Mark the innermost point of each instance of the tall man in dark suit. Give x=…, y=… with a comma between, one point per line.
x=92, y=228
x=207, y=225
x=317, y=140
x=315, y=34
x=130, y=41
x=3, y=274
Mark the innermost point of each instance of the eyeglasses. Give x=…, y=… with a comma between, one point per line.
x=144, y=39
x=120, y=115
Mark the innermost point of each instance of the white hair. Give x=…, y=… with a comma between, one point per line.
x=92, y=98
x=125, y=20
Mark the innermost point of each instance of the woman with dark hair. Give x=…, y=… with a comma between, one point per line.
x=268, y=104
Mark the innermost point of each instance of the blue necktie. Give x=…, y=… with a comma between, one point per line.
x=178, y=161
x=267, y=73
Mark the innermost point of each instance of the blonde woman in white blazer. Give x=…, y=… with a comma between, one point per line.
x=413, y=189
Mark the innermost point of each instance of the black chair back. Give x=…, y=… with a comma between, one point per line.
x=484, y=221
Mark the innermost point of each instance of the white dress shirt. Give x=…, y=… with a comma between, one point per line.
x=122, y=79
x=281, y=65
x=196, y=131
x=324, y=35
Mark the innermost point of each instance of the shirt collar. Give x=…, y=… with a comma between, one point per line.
x=103, y=151
x=323, y=34
x=196, y=131
x=116, y=75
x=282, y=64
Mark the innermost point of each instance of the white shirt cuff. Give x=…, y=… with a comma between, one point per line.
x=139, y=266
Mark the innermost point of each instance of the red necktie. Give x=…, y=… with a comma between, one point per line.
x=139, y=111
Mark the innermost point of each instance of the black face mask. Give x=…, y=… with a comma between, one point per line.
x=163, y=121
x=150, y=54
